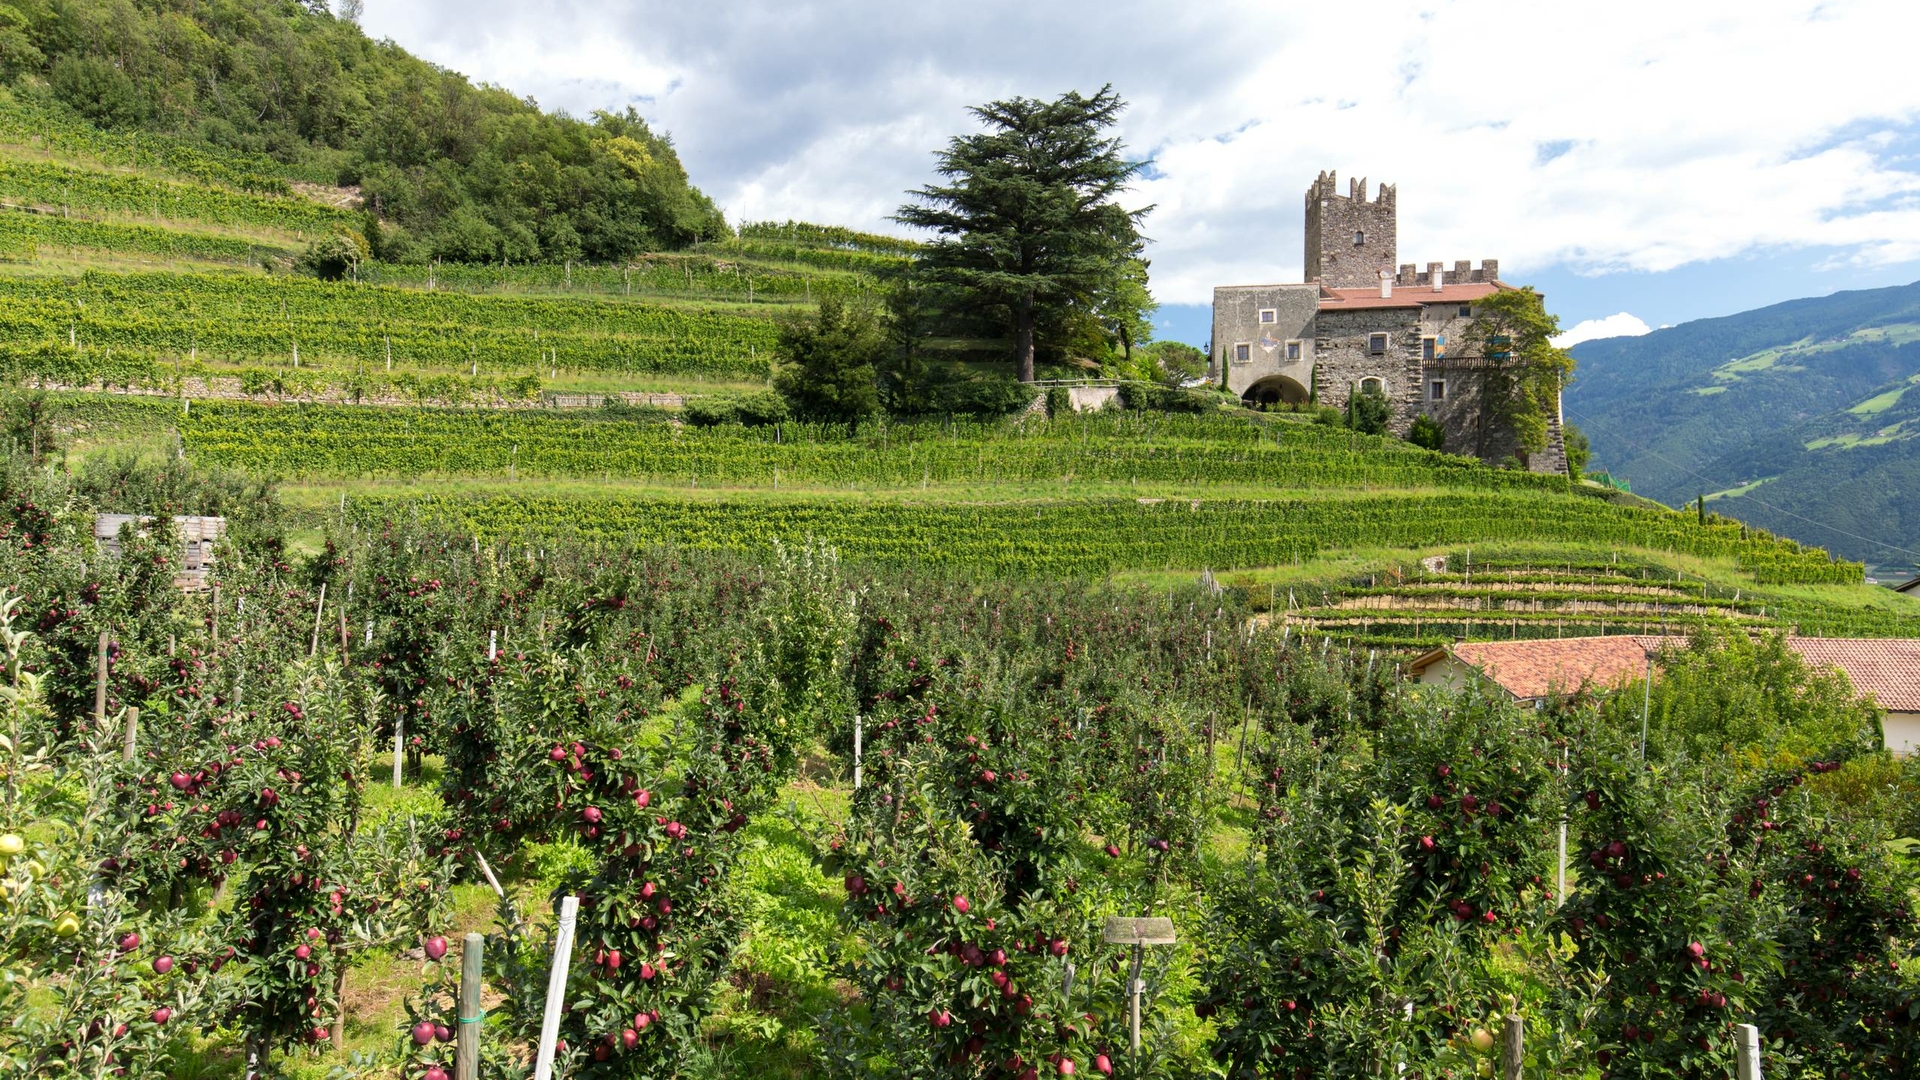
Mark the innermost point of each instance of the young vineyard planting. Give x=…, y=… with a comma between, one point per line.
x=166, y=320
x=1095, y=536
x=1362, y=878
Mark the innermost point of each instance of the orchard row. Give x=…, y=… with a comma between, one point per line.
x=1361, y=876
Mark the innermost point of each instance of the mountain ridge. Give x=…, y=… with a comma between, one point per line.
x=1796, y=417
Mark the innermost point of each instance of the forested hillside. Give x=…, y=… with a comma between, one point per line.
x=1798, y=417
x=280, y=91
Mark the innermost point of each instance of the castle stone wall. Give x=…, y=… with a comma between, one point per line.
x=1236, y=321
x=1333, y=221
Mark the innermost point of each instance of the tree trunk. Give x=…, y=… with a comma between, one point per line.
x=1023, y=341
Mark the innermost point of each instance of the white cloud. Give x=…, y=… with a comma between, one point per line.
x=1541, y=134
x=1621, y=325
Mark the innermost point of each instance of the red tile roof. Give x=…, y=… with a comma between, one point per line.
x=1886, y=668
x=1405, y=296
x=1542, y=666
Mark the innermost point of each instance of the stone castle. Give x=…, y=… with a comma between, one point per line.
x=1361, y=323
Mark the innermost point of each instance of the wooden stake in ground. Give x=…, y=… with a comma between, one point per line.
x=856, y=753
x=100, y=686
x=556, y=987
x=399, y=739
x=133, y=734
x=488, y=871
x=1512, y=1039
x=466, y=1053
x=318, y=609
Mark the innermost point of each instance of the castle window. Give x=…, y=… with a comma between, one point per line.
x=1429, y=348
x=1359, y=238
x=1293, y=350
x=1268, y=315
x=1437, y=390
x=1466, y=311
x=1376, y=343
x=1372, y=386
x=1242, y=352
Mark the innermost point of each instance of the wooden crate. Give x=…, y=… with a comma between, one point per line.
x=197, y=536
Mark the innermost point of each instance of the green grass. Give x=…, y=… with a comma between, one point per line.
x=1880, y=403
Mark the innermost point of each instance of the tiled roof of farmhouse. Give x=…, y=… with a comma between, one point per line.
x=1542, y=666
x=1405, y=296
x=1887, y=668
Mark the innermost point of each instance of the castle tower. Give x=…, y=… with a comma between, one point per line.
x=1349, y=240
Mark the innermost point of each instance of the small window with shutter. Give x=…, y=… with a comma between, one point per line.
x=1376, y=343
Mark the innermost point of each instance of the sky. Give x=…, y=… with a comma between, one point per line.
x=1643, y=164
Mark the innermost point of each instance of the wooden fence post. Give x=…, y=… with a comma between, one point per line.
x=466, y=1053
x=100, y=685
x=556, y=987
x=319, y=609
x=399, y=740
x=1512, y=1044
x=133, y=734
x=1748, y=1045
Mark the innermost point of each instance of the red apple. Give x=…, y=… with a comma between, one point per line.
x=162, y=965
x=423, y=1033
x=1102, y=1065
x=162, y=1015
x=129, y=942
x=961, y=905
x=436, y=947
x=1066, y=1066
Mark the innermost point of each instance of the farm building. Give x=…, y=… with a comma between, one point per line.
x=1884, y=669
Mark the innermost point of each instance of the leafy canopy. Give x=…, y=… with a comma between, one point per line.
x=828, y=363
x=1029, y=229
x=1521, y=391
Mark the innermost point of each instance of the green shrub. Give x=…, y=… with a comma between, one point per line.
x=1368, y=412
x=710, y=412
x=1427, y=433
x=1059, y=401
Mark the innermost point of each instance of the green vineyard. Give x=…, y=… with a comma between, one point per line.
x=321, y=441
x=27, y=236
x=94, y=193
x=1094, y=537
x=248, y=319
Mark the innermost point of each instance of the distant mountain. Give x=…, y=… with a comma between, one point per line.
x=1802, y=418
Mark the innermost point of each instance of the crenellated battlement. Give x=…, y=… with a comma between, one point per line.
x=1462, y=273
x=1327, y=188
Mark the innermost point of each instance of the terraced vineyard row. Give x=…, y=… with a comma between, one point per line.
x=93, y=193
x=1093, y=537
x=243, y=319
x=704, y=276
x=38, y=130
x=344, y=441
x=25, y=236
x=1504, y=599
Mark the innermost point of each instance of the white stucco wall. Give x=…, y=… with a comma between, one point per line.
x=1903, y=732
